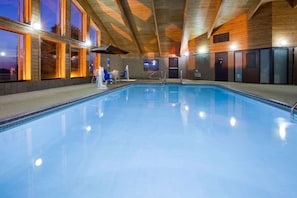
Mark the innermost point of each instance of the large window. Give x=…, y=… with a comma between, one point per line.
x=50, y=59
x=12, y=56
x=93, y=36
x=76, y=22
x=95, y=41
x=12, y=9
x=50, y=12
x=76, y=62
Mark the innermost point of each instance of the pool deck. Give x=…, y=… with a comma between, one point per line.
x=18, y=105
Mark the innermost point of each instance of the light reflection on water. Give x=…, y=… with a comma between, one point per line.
x=154, y=141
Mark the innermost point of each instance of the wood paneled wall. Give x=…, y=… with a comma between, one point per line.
x=274, y=21
x=284, y=23
x=244, y=33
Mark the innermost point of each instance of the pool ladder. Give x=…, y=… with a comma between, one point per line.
x=293, y=111
x=163, y=76
x=181, y=77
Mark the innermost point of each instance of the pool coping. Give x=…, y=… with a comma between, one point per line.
x=21, y=118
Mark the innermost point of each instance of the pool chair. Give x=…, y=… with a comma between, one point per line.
x=115, y=75
x=107, y=76
x=124, y=74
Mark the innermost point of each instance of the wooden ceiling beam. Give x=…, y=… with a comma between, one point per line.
x=185, y=36
x=215, y=17
x=254, y=8
x=88, y=6
x=156, y=27
x=128, y=23
x=293, y=3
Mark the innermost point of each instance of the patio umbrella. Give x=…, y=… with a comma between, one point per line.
x=108, y=49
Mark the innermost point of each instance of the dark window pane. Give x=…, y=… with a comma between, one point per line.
x=49, y=63
x=75, y=62
x=11, y=56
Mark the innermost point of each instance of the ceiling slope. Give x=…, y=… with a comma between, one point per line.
x=162, y=28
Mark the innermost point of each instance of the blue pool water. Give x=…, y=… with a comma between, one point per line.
x=153, y=141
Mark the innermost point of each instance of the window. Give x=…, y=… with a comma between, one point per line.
x=93, y=36
x=76, y=62
x=12, y=9
x=50, y=13
x=95, y=41
x=12, y=56
x=76, y=23
x=50, y=59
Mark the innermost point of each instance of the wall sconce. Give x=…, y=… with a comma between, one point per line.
x=233, y=47
x=88, y=43
x=36, y=26
x=187, y=53
x=283, y=42
x=202, y=50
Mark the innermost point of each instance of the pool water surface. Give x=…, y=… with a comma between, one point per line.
x=153, y=141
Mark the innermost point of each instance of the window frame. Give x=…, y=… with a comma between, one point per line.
x=84, y=21
x=60, y=56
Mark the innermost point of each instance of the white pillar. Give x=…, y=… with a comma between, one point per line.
x=101, y=84
x=127, y=72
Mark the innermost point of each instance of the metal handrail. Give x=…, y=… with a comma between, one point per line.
x=293, y=110
x=153, y=73
x=163, y=75
x=181, y=76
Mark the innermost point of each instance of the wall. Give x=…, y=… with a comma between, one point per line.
x=284, y=20
x=25, y=86
x=136, y=69
x=244, y=33
x=116, y=62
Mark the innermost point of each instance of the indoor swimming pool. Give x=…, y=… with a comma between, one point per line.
x=153, y=141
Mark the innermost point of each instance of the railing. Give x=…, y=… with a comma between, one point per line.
x=293, y=110
x=181, y=77
x=155, y=73
x=163, y=76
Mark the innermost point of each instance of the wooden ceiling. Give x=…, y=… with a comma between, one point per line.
x=162, y=28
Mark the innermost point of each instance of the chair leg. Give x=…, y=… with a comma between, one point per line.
x=93, y=79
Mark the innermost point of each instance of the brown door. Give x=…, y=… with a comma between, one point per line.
x=221, y=66
x=251, y=70
x=173, y=68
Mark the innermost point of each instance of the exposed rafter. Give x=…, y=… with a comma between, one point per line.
x=185, y=36
x=156, y=27
x=293, y=3
x=216, y=13
x=254, y=8
x=128, y=23
x=159, y=28
x=89, y=5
